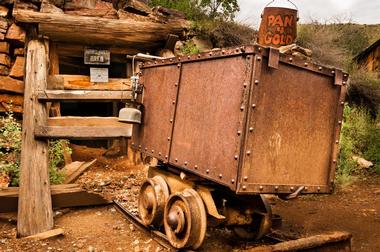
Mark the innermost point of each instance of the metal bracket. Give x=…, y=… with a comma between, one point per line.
x=338, y=81
x=274, y=58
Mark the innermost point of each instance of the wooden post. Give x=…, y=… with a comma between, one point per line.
x=35, y=214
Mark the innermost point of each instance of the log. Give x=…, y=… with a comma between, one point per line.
x=92, y=121
x=82, y=82
x=18, y=52
x=12, y=99
x=4, y=70
x=34, y=194
x=4, y=107
x=102, y=31
x=17, y=70
x=3, y=23
x=45, y=235
x=16, y=34
x=80, y=95
x=2, y=36
x=11, y=85
x=4, y=47
x=75, y=169
x=65, y=195
x=3, y=11
x=5, y=60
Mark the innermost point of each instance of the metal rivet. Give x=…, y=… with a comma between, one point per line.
x=223, y=51
x=345, y=75
x=220, y=176
x=185, y=162
x=146, y=149
x=250, y=129
x=337, y=141
x=259, y=49
x=210, y=54
x=306, y=188
x=256, y=82
x=163, y=61
x=152, y=151
x=344, y=83
x=340, y=122
x=178, y=65
x=245, y=84
x=320, y=68
x=176, y=84
x=171, y=60
x=333, y=72
x=195, y=167
x=253, y=105
x=176, y=159
x=248, y=153
x=334, y=161
x=290, y=59
x=244, y=188
x=168, y=138
x=166, y=157
x=306, y=64
x=241, y=108
x=319, y=188
x=155, y=62
x=292, y=188
x=236, y=157
x=245, y=178
x=199, y=55
x=159, y=153
x=258, y=58
x=133, y=143
x=232, y=181
x=261, y=188
x=140, y=146
x=207, y=171
x=239, y=132
x=173, y=102
x=342, y=103
x=171, y=120
x=276, y=188
x=188, y=57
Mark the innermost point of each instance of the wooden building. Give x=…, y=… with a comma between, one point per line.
x=369, y=59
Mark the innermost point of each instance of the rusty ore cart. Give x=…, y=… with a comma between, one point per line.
x=228, y=126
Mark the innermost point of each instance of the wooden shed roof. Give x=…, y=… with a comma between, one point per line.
x=367, y=51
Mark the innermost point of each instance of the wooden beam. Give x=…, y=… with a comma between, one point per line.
x=82, y=132
x=102, y=31
x=65, y=195
x=45, y=235
x=82, y=82
x=35, y=213
x=75, y=169
x=92, y=121
x=11, y=85
x=84, y=95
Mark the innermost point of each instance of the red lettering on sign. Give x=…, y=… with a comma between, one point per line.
x=276, y=39
x=268, y=38
x=288, y=21
x=270, y=20
x=278, y=21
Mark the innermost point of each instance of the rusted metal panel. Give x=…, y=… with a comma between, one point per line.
x=210, y=117
x=290, y=131
x=160, y=94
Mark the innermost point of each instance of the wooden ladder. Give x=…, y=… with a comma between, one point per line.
x=35, y=213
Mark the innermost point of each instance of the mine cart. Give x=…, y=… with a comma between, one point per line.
x=228, y=126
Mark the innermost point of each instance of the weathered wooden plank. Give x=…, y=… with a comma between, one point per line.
x=4, y=107
x=64, y=27
x=12, y=99
x=82, y=132
x=65, y=195
x=11, y=85
x=74, y=171
x=93, y=121
x=17, y=70
x=34, y=194
x=4, y=47
x=19, y=52
x=78, y=95
x=5, y=60
x=3, y=11
x=16, y=34
x=82, y=82
x=45, y=235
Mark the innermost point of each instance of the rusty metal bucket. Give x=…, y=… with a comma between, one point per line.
x=278, y=26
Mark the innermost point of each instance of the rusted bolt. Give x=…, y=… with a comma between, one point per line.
x=319, y=188
x=133, y=143
x=250, y=129
x=171, y=120
x=171, y=60
x=306, y=188
x=259, y=49
x=146, y=149
x=236, y=157
x=245, y=178
x=337, y=141
x=176, y=84
x=290, y=59
x=344, y=83
x=159, y=153
x=292, y=188
x=253, y=105
x=239, y=132
x=342, y=103
x=256, y=82
x=334, y=161
x=210, y=54
x=140, y=146
x=199, y=56
x=306, y=64
x=207, y=171
x=248, y=153
x=244, y=188
x=320, y=68
x=155, y=62
x=196, y=167
x=223, y=51
x=245, y=84
x=166, y=157
x=188, y=57
x=163, y=61
x=241, y=108
x=276, y=188
x=332, y=71
x=176, y=159
x=345, y=75
x=220, y=176
x=232, y=181
x=152, y=151
x=258, y=58
x=261, y=188
x=340, y=122
x=168, y=138
x=178, y=65
x=185, y=162
x=173, y=102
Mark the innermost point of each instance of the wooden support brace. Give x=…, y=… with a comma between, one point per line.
x=35, y=213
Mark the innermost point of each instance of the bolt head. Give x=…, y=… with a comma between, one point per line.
x=232, y=181
x=261, y=188
x=220, y=176
x=236, y=157
x=207, y=171
x=251, y=129
x=244, y=188
x=245, y=178
x=195, y=167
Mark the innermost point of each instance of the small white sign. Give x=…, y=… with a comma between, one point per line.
x=99, y=74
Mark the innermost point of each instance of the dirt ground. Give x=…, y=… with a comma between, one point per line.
x=355, y=209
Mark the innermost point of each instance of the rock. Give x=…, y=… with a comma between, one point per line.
x=105, y=183
x=136, y=242
x=202, y=44
x=132, y=227
x=3, y=11
x=91, y=249
x=362, y=163
x=16, y=33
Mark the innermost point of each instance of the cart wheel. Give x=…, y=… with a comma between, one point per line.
x=154, y=193
x=261, y=225
x=185, y=220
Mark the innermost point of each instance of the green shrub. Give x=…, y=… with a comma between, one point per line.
x=10, y=152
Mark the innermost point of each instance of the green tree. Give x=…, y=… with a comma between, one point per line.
x=220, y=8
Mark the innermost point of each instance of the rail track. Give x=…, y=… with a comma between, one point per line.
x=335, y=241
